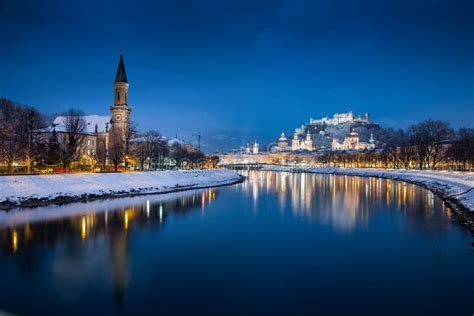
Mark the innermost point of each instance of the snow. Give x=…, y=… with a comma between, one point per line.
x=91, y=121
x=18, y=190
x=451, y=185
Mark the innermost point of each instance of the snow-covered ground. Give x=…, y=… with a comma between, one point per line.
x=42, y=189
x=453, y=186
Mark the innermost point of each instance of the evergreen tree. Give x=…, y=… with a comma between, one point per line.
x=53, y=150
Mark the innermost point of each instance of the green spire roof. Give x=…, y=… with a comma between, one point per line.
x=121, y=75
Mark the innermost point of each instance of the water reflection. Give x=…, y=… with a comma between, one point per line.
x=345, y=202
x=73, y=231
x=295, y=239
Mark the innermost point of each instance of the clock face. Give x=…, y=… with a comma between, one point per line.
x=118, y=117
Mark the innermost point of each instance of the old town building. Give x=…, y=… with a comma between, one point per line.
x=352, y=142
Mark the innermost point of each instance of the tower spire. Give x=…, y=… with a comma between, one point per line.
x=121, y=75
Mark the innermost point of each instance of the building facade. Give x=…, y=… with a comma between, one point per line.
x=282, y=142
x=252, y=149
x=341, y=118
x=352, y=142
x=298, y=144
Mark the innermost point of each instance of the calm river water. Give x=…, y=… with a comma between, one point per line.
x=277, y=244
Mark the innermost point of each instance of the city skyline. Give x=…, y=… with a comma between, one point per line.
x=227, y=70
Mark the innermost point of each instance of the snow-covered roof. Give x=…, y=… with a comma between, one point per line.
x=176, y=141
x=91, y=121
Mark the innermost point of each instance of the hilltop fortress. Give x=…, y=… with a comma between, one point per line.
x=344, y=131
x=341, y=118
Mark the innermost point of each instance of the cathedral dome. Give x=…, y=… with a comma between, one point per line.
x=282, y=137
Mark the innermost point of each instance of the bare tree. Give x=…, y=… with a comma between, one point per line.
x=130, y=133
x=150, y=147
x=407, y=152
x=462, y=149
x=101, y=155
x=18, y=124
x=32, y=148
x=427, y=137
x=161, y=150
x=74, y=127
x=116, y=154
x=9, y=150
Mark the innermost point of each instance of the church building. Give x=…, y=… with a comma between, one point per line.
x=105, y=134
x=352, y=142
x=298, y=144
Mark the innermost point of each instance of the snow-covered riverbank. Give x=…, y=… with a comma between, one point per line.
x=45, y=189
x=454, y=187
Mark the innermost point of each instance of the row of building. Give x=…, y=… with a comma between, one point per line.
x=350, y=142
x=303, y=137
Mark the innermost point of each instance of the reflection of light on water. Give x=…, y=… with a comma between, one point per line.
x=27, y=231
x=83, y=227
x=125, y=221
x=148, y=208
x=161, y=213
x=344, y=202
x=15, y=241
x=430, y=202
x=203, y=200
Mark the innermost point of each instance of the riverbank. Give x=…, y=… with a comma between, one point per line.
x=455, y=188
x=37, y=190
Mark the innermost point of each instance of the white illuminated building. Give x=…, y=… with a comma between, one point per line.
x=302, y=144
x=352, y=142
x=252, y=149
x=341, y=118
x=255, y=148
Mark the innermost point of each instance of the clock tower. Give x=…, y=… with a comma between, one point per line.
x=120, y=110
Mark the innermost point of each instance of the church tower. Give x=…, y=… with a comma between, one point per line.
x=309, y=142
x=120, y=110
x=295, y=142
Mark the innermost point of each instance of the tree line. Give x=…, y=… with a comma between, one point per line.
x=26, y=140
x=430, y=144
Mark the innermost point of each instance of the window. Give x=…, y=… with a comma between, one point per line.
x=118, y=95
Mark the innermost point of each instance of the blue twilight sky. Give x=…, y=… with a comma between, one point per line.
x=242, y=70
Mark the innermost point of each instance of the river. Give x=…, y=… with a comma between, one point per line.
x=276, y=244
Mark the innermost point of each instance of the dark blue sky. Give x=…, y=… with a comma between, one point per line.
x=243, y=70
